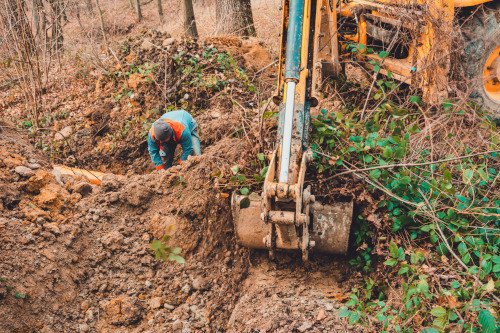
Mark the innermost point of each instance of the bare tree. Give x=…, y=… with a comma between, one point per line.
x=21, y=49
x=189, y=19
x=101, y=20
x=90, y=8
x=57, y=14
x=138, y=10
x=234, y=17
x=160, y=9
x=39, y=19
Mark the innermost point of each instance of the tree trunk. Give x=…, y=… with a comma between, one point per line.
x=57, y=32
x=36, y=17
x=21, y=45
x=103, y=30
x=189, y=19
x=234, y=17
x=138, y=10
x=90, y=8
x=160, y=10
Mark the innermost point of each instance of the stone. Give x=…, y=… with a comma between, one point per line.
x=168, y=306
x=53, y=227
x=145, y=237
x=64, y=133
x=200, y=284
x=147, y=45
x=168, y=41
x=305, y=326
x=156, y=302
x=39, y=180
x=177, y=325
x=52, y=197
x=24, y=171
x=112, y=240
x=34, y=166
x=85, y=305
x=186, y=289
x=123, y=311
x=83, y=328
x=113, y=197
x=321, y=315
x=329, y=307
x=83, y=188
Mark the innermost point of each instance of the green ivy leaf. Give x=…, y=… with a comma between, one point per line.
x=375, y=174
x=468, y=174
x=343, y=312
x=487, y=321
x=176, y=250
x=415, y=99
x=354, y=317
x=235, y=169
x=19, y=295
x=403, y=270
x=176, y=258
x=356, y=138
x=438, y=311
x=156, y=245
x=383, y=54
x=393, y=250
x=390, y=262
x=440, y=322
x=430, y=330
x=244, y=191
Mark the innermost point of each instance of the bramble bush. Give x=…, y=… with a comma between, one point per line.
x=437, y=192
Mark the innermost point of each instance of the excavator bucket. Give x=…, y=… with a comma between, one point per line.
x=329, y=229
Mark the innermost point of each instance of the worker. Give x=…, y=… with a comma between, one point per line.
x=173, y=128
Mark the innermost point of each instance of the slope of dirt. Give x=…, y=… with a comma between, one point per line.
x=76, y=258
x=98, y=118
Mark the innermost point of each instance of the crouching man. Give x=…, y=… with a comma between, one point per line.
x=173, y=128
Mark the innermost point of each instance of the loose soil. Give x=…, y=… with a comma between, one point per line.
x=76, y=258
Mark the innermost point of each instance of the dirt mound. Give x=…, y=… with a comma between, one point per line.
x=80, y=259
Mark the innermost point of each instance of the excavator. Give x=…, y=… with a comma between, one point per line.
x=411, y=42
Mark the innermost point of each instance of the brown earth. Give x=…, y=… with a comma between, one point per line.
x=76, y=258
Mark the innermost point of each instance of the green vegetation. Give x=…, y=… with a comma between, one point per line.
x=11, y=290
x=438, y=206
x=163, y=252
x=247, y=182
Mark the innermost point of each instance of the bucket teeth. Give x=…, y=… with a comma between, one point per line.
x=329, y=232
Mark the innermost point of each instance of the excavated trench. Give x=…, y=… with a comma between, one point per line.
x=79, y=255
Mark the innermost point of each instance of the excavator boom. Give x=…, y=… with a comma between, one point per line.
x=286, y=215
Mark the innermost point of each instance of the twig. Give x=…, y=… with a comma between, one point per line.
x=390, y=166
x=445, y=241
